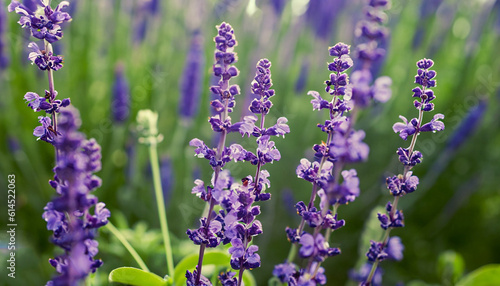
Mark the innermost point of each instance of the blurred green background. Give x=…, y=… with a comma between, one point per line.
x=457, y=205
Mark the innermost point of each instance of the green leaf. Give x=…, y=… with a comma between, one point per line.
x=136, y=277
x=189, y=263
x=450, y=267
x=248, y=279
x=488, y=275
x=419, y=283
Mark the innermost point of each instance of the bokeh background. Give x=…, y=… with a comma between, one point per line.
x=455, y=210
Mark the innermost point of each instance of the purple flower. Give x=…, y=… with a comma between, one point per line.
x=191, y=80
x=398, y=185
x=120, y=104
x=36, y=102
x=69, y=215
x=261, y=86
x=191, y=279
x=426, y=97
x=44, y=23
x=386, y=221
x=284, y=271
x=316, y=247
x=44, y=60
x=406, y=128
x=45, y=132
x=167, y=178
x=376, y=252
x=322, y=15
x=434, y=125
x=228, y=279
x=425, y=76
x=350, y=147
x=468, y=125
x=248, y=258
x=394, y=248
x=406, y=159
x=310, y=171
x=345, y=192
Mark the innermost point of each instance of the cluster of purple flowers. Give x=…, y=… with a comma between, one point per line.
x=44, y=23
x=68, y=215
x=236, y=221
x=402, y=184
x=369, y=55
x=342, y=145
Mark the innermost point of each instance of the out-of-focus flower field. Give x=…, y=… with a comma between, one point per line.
x=452, y=218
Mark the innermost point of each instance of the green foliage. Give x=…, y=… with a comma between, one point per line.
x=136, y=277
x=450, y=267
x=488, y=275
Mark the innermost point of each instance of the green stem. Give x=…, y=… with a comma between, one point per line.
x=127, y=245
x=155, y=168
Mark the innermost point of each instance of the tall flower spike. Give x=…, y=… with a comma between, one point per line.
x=69, y=215
x=323, y=176
x=210, y=231
x=240, y=213
x=192, y=78
x=120, y=106
x=369, y=55
x=402, y=184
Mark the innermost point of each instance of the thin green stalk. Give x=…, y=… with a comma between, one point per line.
x=155, y=167
x=127, y=245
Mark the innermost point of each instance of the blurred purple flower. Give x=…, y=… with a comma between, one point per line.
x=167, y=178
x=278, y=6
x=468, y=125
x=370, y=53
x=4, y=60
x=120, y=104
x=191, y=80
x=68, y=215
x=322, y=14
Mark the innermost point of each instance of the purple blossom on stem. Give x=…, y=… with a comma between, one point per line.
x=405, y=183
x=44, y=60
x=44, y=22
x=69, y=215
x=239, y=212
x=210, y=232
x=343, y=145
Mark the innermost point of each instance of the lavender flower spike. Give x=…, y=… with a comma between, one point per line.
x=402, y=184
x=69, y=215
x=369, y=55
x=240, y=214
x=120, y=106
x=190, y=84
x=209, y=232
x=342, y=145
